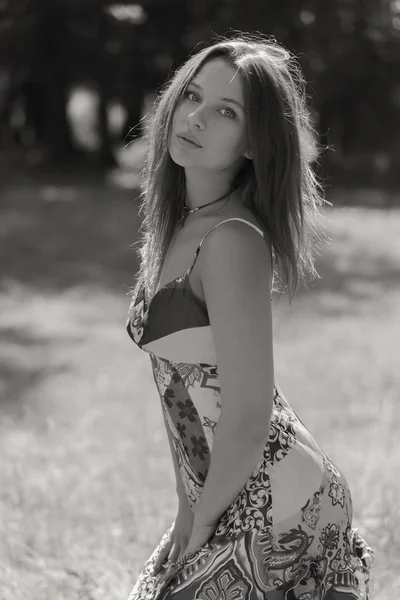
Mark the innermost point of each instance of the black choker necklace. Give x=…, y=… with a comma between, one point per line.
x=192, y=210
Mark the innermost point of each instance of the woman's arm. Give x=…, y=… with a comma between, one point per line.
x=236, y=277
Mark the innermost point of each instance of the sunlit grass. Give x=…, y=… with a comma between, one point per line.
x=87, y=479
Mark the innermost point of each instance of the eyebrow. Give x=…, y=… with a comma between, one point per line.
x=224, y=99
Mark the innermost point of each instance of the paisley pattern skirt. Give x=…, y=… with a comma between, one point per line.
x=314, y=555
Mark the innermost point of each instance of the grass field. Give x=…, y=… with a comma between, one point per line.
x=87, y=483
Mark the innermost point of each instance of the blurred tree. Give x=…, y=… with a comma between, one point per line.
x=354, y=80
x=149, y=49
x=38, y=48
x=349, y=51
x=35, y=49
x=122, y=50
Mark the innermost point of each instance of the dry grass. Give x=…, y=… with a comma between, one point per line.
x=87, y=480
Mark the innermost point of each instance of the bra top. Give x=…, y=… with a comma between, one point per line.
x=157, y=318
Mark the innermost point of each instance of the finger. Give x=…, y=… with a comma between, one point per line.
x=175, y=552
x=157, y=567
x=163, y=555
x=160, y=561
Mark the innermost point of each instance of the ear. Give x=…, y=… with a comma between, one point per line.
x=248, y=154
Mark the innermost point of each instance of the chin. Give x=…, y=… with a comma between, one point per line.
x=180, y=158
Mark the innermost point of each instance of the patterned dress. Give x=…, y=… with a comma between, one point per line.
x=290, y=527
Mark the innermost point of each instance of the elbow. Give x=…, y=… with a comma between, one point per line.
x=247, y=407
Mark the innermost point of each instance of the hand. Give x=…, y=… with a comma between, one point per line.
x=179, y=536
x=201, y=534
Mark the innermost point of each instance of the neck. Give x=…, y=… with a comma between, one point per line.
x=202, y=188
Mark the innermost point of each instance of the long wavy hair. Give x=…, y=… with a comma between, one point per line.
x=278, y=184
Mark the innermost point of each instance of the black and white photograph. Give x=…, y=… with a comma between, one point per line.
x=199, y=300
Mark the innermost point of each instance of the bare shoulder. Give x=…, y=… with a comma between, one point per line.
x=236, y=239
x=235, y=258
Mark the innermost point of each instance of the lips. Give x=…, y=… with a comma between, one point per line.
x=189, y=138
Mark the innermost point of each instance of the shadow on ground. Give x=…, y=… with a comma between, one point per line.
x=55, y=238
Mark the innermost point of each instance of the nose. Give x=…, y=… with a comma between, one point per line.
x=196, y=120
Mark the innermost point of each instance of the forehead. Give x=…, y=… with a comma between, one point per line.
x=219, y=76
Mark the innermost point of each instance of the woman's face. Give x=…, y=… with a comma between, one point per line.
x=211, y=116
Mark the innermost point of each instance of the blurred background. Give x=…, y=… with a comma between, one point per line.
x=76, y=77
x=87, y=478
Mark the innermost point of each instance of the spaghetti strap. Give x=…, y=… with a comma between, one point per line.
x=212, y=228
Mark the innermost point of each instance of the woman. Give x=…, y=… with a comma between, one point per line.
x=229, y=196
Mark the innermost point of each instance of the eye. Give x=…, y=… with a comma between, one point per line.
x=230, y=113
x=188, y=95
